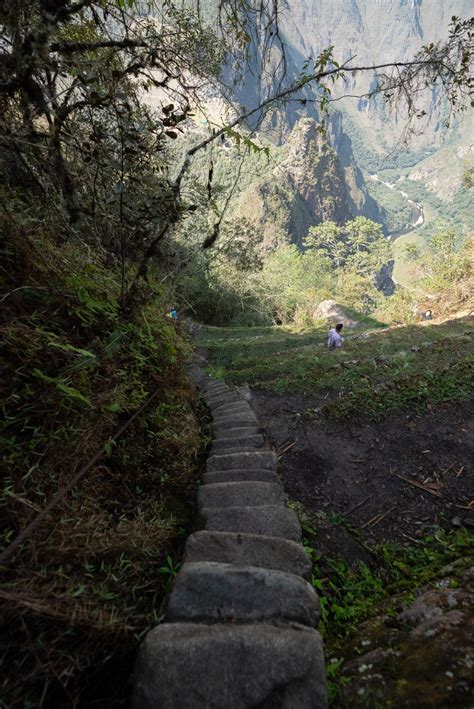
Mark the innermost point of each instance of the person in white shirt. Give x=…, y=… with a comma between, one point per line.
x=335, y=340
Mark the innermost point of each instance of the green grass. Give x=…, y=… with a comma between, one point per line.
x=369, y=376
x=405, y=272
x=350, y=596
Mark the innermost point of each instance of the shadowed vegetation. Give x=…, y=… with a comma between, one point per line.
x=89, y=580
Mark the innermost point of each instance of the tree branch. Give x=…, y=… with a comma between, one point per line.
x=73, y=47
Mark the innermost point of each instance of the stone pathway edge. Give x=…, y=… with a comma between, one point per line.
x=239, y=627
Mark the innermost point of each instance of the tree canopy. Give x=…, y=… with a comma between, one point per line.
x=359, y=245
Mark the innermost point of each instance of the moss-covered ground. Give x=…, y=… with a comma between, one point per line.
x=361, y=618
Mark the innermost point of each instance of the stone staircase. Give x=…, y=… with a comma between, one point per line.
x=239, y=628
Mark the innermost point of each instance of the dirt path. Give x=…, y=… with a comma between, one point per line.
x=355, y=470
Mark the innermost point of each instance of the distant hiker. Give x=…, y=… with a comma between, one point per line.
x=173, y=314
x=334, y=339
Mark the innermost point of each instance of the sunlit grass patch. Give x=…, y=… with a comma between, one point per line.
x=407, y=272
x=377, y=370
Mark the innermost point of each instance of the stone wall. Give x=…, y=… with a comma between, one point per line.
x=239, y=628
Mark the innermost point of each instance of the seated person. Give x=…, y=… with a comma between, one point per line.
x=334, y=339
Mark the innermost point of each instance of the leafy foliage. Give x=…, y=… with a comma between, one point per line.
x=447, y=269
x=358, y=246
x=246, y=282
x=87, y=583
x=86, y=196
x=352, y=595
x=74, y=127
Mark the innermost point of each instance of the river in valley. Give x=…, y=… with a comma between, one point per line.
x=417, y=216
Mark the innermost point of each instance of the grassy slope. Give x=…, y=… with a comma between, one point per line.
x=370, y=376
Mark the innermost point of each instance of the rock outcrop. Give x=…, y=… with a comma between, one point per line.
x=420, y=655
x=333, y=313
x=309, y=185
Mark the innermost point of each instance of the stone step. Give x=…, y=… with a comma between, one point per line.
x=251, y=642
x=224, y=399
x=248, y=474
x=248, y=550
x=238, y=400
x=238, y=432
x=214, y=393
x=256, y=441
x=270, y=520
x=240, y=494
x=214, y=385
x=244, y=420
x=255, y=459
x=193, y=666
x=237, y=449
x=209, y=591
x=226, y=410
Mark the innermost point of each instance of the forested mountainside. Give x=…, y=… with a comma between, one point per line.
x=128, y=195
x=311, y=183
x=365, y=136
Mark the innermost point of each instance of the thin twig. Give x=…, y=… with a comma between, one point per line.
x=359, y=504
x=287, y=448
x=378, y=518
x=415, y=483
x=412, y=539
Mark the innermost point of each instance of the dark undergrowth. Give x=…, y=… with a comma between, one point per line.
x=84, y=587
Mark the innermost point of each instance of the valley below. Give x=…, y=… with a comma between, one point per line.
x=417, y=215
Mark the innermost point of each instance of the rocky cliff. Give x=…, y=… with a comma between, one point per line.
x=313, y=179
x=311, y=183
x=374, y=32
x=321, y=180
